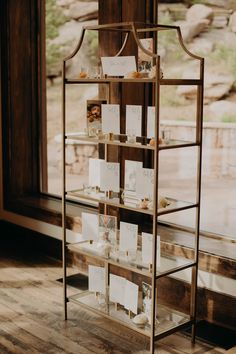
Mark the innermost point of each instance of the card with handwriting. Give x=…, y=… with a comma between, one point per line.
x=117, y=289
x=134, y=120
x=90, y=226
x=131, y=168
x=94, y=172
x=111, y=118
x=97, y=280
x=145, y=183
x=147, y=247
x=151, y=118
x=128, y=236
x=131, y=296
x=110, y=176
x=118, y=66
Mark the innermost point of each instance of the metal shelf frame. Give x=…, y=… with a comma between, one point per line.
x=135, y=267
x=134, y=29
x=123, y=319
x=175, y=205
x=141, y=142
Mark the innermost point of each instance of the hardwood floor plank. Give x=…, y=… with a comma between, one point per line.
x=39, y=346
x=4, y=349
x=100, y=333
x=51, y=336
x=14, y=345
x=184, y=344
x=98, y=339
x=232, y=350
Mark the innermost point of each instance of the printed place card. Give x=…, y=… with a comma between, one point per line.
x=128, y=236
x=90, y=229
x=145, y=183
x=111, y=118
x=110, y=176
x=131, y=168
x=131, y=297
x=134, y=120
x=95, y=172
x=118, y=66
x=147, y=249
x=97, y=279
x=151, y=118
x=117, y=289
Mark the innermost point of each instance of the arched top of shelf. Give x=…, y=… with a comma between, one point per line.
x=134, y=28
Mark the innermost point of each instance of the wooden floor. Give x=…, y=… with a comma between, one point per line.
x=31, y=316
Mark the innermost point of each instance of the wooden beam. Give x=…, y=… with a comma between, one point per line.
x=19, y=48
x=212, y=306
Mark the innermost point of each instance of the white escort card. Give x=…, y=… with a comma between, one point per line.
x=128, y=236
x=110, y=176
x=131, y=168
x=151, y=122
x=111, y=118
x=145, y=183
x=147, y=249
x=95, y=172
x=117, y=289
x=134, y=120
x=118, y=66
x=131, y=297
x=90, y=230
x=124, y=292
x=97, y=279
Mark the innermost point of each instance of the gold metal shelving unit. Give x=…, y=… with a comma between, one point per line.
x=169, y=320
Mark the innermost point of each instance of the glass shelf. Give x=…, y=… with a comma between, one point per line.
x=187, y=82
x=141, y=142
x=167, y=319
x=129, y=203
x=168, y=264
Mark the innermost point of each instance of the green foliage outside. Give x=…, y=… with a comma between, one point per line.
x=193, y=2
x=92, y=47
x=54, y=53
x=228, y=119
x=168, y=40
x=225, y=57
x=54, y=19
x=169, y=97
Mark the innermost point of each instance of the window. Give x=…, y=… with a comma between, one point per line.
x=214, y=42
x=64, y=21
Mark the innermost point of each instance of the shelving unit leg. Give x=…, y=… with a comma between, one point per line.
x=63, y=216
x=155, y=207
x=65, y=294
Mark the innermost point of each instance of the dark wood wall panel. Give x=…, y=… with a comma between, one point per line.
x=125, y=11
x=20, y=111
x=212, y=306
